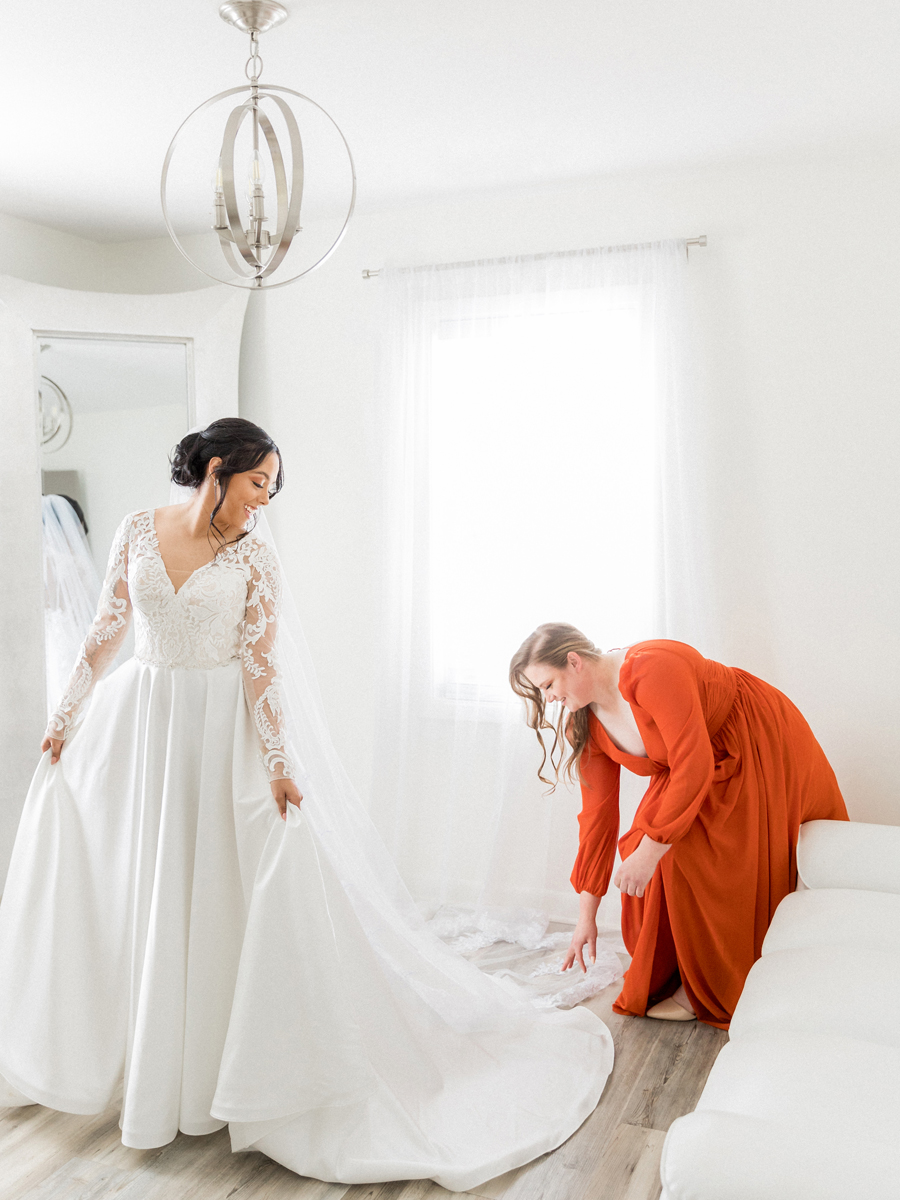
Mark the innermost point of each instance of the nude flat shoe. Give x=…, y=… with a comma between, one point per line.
x=670, y=1010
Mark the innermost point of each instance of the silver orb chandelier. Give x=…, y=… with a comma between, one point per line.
x=295, y=159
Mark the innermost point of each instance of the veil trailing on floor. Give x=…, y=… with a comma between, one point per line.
x=396, y=930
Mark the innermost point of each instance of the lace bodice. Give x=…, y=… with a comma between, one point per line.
x=225, y=612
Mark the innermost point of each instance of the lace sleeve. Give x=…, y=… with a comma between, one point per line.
x=103, y=639
x=259, y=664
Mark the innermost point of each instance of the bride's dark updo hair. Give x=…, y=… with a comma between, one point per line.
x=240, y=445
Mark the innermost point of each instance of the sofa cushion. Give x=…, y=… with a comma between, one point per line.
x=799, y=1115
x=840, y=1084
x=823, y=989
x=828, y=915
x=722, y=1156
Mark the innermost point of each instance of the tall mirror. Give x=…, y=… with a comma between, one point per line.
x=109, y=412
x=97, y=389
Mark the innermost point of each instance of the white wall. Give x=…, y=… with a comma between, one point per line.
x=795, y=303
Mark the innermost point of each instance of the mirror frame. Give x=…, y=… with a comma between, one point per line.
x=209, y=321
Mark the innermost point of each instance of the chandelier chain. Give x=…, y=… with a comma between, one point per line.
x=253, y=68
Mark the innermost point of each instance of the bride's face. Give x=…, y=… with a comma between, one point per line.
x=246, y=492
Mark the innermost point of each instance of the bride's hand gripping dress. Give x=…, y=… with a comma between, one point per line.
x=163, y=929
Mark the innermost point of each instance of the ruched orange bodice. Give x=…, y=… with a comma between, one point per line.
x=735, y=770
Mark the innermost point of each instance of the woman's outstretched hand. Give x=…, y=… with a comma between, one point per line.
x=54, y=745
x=285, y=792
x=585, y=935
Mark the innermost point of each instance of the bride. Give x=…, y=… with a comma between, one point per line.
x=199, y=912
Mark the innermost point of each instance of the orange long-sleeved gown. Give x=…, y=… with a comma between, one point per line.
x=734, y=771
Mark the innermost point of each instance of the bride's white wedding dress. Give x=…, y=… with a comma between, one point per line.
x=163, y=929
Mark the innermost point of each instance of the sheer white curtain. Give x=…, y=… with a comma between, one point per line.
x=534, y=454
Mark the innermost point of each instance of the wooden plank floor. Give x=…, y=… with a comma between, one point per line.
x=660, y=1070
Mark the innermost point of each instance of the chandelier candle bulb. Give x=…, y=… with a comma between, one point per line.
x=244, y=245
x=257, y=169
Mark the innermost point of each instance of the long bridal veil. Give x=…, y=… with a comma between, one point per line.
x=465, y=997
x=71, y=588
x=429, y=957
x=462, y=995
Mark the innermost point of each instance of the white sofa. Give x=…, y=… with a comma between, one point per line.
x=803, y=1103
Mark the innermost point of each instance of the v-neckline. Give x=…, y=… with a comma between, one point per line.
x=176, y=591
x=618, y=749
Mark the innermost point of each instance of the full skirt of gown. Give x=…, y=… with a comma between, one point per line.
x=164, y=930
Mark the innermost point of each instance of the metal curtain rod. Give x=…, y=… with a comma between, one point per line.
x=697, y=241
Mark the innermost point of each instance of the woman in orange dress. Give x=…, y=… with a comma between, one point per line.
x=734, y=770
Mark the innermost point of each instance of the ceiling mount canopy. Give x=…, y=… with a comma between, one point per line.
x=253, y=16
x=297, y=147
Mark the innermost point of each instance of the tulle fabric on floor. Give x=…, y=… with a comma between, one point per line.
x=518, y=949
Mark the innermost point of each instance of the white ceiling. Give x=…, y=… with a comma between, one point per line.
x=436, y=97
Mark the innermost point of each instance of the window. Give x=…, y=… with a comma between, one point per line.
x=542, y=481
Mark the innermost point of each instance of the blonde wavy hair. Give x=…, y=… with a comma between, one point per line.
x=552, y=644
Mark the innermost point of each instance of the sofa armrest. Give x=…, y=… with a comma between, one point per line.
x=849, y=854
